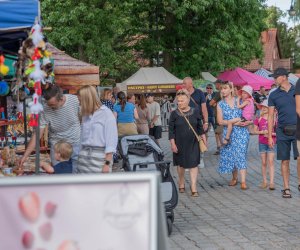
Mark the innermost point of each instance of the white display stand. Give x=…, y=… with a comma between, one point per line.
x=86, y=212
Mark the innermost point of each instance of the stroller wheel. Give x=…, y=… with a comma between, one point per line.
x=169, y=225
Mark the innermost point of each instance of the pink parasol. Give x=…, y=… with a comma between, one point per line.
x=241, y=77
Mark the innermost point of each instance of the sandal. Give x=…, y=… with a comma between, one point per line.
x=233, y=182
x=272, y=187
x=181, y=190
x=194, y=194
x=244, y=186
x=264, y=185
x=226, y=141
x=286, y=193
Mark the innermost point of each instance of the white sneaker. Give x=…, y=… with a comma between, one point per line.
x=201, y=165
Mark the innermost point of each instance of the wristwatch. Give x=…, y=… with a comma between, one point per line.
x=107, y=162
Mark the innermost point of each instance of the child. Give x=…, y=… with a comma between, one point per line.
x=266, y=153
x=247, y=106
x=62, y=152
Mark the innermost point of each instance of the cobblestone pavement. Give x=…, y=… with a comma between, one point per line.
x=224, y=217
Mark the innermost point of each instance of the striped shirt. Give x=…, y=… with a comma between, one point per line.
x=63, y=122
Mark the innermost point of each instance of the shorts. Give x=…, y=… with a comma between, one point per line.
x=155, y=132
x=264, y=148
x=284, y=149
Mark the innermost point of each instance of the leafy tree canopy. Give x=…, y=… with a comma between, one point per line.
x=186, y=37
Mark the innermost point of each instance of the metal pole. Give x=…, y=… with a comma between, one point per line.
x=37, y=147
x=25, y=122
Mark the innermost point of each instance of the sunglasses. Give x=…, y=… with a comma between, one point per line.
x=208, y=88
x=182, y=92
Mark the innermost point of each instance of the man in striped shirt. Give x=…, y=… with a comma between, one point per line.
x=61, y=114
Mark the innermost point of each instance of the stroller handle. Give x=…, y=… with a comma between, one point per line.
x=151, y=163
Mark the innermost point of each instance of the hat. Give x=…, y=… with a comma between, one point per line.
x=248, y=89
x=263, y=104
x=279, y=72
x=148, y=95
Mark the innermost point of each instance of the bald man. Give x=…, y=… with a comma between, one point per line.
x=197, y=101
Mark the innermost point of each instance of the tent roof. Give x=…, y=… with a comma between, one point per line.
x=149, y=76
x=242, y=77
x=71, y=73
x=18, y=14
x=16, y=18
x=265, y=73
x=208, y=76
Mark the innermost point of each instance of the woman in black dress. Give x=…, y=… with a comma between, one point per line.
x=184, y=144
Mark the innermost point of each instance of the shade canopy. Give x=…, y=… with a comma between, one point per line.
x=155, y=80
x=265, y=73
x=16, y=18
x=18, y=14
x=208, y=77
x=241, y=77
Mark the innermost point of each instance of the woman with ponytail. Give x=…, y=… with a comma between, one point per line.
x=126, y=114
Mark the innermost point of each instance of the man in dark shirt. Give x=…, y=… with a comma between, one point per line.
x=209, y=95
x=297, y=97
x=261, y=95
x=197, y=100
x=213, y=103
x=282, y=99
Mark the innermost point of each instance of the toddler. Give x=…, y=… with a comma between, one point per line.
x=62, y=153
x=247, y=106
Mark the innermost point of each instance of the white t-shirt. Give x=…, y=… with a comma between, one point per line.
x=154, y=109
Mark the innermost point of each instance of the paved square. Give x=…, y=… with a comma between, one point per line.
x=224, y=217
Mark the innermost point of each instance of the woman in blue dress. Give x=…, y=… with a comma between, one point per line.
x=233, y=156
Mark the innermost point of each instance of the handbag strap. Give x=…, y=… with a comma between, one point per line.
x=197, y=136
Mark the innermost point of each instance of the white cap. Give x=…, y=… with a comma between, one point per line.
x=248, y=89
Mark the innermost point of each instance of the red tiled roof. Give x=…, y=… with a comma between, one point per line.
x=270, y=46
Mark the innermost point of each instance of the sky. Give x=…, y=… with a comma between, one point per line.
x=284, y=5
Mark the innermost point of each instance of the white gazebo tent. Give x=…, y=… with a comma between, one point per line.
x=208, y=77
x=154, y=80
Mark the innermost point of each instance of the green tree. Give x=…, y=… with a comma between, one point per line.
x=198, y=35
x=184, y=36
x=92, y=31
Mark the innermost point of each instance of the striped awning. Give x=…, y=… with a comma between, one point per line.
x=265, y=73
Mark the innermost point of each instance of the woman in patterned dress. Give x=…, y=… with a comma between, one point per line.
x=106, y=98
x=233, y=156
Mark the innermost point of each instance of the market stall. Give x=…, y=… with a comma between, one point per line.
x=72, y=74
x=155, y=80
x=265, y=73
x=241, y=77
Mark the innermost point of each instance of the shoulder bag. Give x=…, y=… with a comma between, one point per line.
x=202, y=145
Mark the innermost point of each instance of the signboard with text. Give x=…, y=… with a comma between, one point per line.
x=153, y=88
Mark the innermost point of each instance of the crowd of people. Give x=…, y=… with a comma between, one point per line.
x=84, y=129
x=234, y=113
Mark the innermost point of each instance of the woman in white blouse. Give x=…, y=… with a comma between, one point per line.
x=99, y=136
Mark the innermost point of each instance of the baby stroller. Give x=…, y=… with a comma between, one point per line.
x=141, y=153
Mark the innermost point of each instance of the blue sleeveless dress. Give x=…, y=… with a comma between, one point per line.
x=234, y=155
